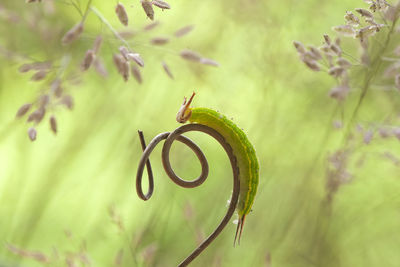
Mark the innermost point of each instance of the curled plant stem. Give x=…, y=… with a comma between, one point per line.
x=170, y=138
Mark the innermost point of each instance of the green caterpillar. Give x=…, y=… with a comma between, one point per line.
x=242, y=148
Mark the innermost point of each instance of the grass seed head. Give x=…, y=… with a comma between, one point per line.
x=151, y=26
x=97, y=44
x=136, y=74
x=23, y=110
x=299, y=47
x=365, y=13
x=210, y=62
x=148, y=9
x=183, y=31
x=190, y=55
x=345, y=30
x=32, y=133
x=167, y=70
x=72, y=34
x=327, y=39
x=37, y=115
x=351, y=19
x=39, y=75
x=88, y=60
x=53, y=124
x=159, y=41
x=161, y=4
x=136, y=58
x=121, y=13
x=67, y=101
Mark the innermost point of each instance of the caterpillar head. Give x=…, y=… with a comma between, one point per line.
x=185, y=112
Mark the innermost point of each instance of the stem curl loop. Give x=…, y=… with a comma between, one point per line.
x=170, y=138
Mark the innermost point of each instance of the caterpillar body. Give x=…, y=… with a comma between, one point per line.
x=242, y=148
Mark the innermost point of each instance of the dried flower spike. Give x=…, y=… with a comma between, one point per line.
x=148, y=9
x=72, y=34
x=121, y=13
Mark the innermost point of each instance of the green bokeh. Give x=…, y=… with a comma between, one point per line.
x=68, y=182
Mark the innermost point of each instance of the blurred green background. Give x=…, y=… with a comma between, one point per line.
x=72, y=195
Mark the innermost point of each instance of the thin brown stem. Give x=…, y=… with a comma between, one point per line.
x=170, y=138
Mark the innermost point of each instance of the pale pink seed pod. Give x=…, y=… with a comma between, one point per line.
x=299, y=47
x=25, y=68
x=365, y=13
x=121, y=13
x=72, y=34
x=190, y=55
x=161, y=4
x=313, y=65
x=315, y=52
x=39, y=75
x=159, y=41
x=183, y=31
x=32, y=133
x=210, y=62
x=327, y=39
x=56, y=88
x=37, y=115
x=148, y=9
x=97, y=44
x=125, y=70
x=53, y=124
x=124, y=52
x=368, y=135
x=351, y=18
x=100, y=68
x=336, y=71
x=345, y=30
x=136, y=58
x=23, y=110
x=88, y=60
x=167, y=70
x=68, y=101
x=344, y=63
x=118, y=61
x=136, y=74
x=43, y=101
x=151, y=26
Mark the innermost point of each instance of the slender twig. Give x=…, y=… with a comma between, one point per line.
x=105, y=22
x=170, y=138
x=376, y=62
